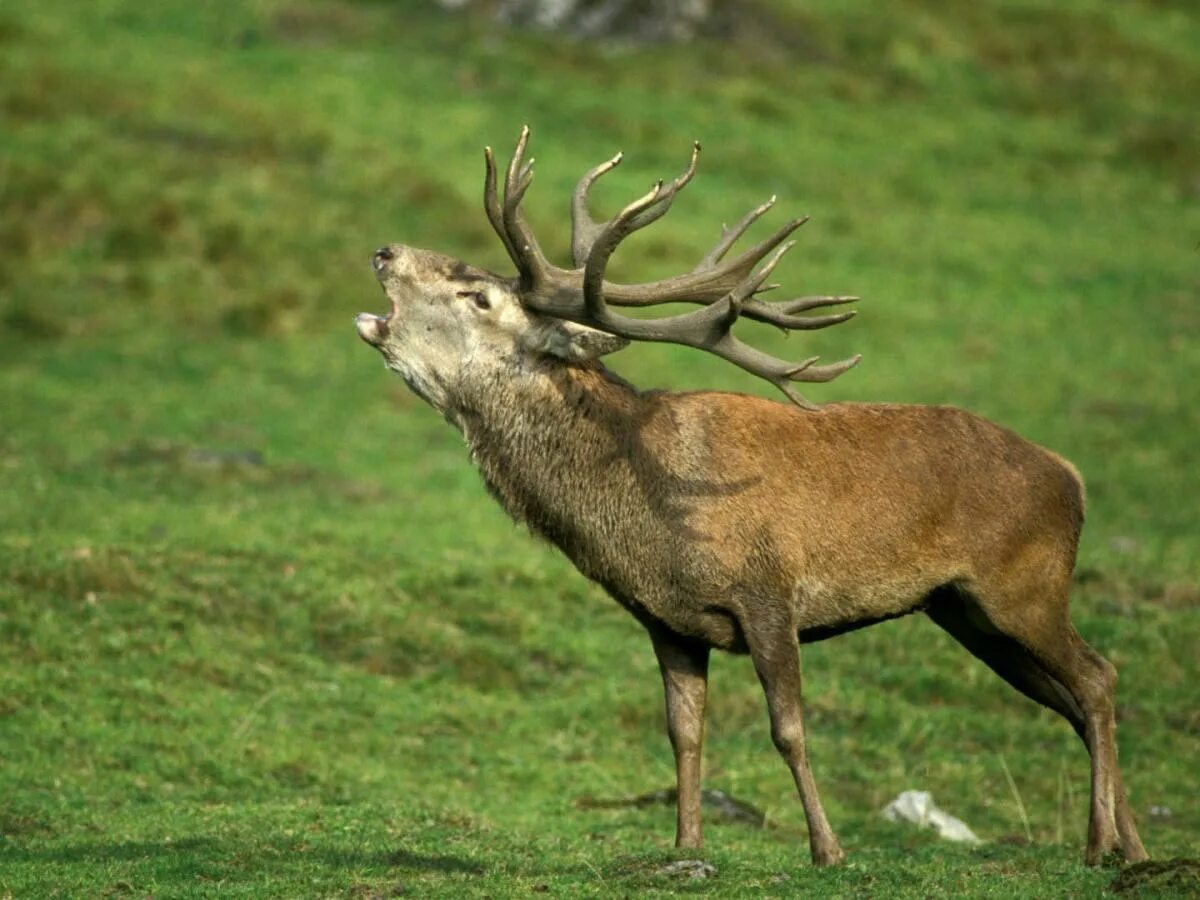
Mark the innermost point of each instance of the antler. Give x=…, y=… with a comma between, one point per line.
x=726, y=289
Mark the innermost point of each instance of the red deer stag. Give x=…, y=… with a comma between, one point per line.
x=730, y=521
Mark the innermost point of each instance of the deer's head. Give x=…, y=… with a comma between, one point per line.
x=452, y=325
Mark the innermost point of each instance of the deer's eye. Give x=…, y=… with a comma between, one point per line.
x=478, y=298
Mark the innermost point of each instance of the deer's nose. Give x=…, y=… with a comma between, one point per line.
x=381, y=258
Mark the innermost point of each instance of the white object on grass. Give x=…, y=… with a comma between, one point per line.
x=918, y=807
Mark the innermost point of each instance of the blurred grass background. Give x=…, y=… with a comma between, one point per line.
x=262, y=632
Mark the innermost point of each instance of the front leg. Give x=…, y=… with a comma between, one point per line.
x=684, y=666
x=776, y=656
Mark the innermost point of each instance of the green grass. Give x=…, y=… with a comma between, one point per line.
x=262, y=633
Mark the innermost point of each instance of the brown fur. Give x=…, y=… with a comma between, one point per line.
x=728, y=521
x=731, y=503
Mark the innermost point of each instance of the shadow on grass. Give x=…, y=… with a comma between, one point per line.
x=200, y=849
x=402, y=860
x=123, y=851
x=408, y=861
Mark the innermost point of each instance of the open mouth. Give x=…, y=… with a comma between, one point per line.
x=372, y=328
x=379, y=262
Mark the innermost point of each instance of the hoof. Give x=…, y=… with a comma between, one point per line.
x=830, y=856
x=1135, y=854
x=1111, y=858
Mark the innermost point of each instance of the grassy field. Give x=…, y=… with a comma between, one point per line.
x=262, y=632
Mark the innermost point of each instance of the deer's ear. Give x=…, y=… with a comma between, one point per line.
x=574, y=343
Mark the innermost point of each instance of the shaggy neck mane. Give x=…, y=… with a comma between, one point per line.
x=546, y=441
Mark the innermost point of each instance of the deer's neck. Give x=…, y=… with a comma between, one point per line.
x=559, y=449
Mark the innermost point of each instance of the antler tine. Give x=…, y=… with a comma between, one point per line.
x=523, y=246
x=667, y=196
x=584, y=229
x=611, y=234
x=822, y=374
x=753, y=283
x=516, y=164
x=702, y=285
x=777, y=371
x=729, y=236
x=782, y=313
x=491, y=203
x=781, y=373
x=801, y=304
x=749, y=258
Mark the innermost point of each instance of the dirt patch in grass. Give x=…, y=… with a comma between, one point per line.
x=174, y=461
x=319, y=24
x=1180, y=877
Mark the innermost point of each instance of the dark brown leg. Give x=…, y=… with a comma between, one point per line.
x=1093, y=680
x=1086, y=683
x=684, y=667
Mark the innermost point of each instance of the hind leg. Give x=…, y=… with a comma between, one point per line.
x=1075, y=682
x=1131, y=845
